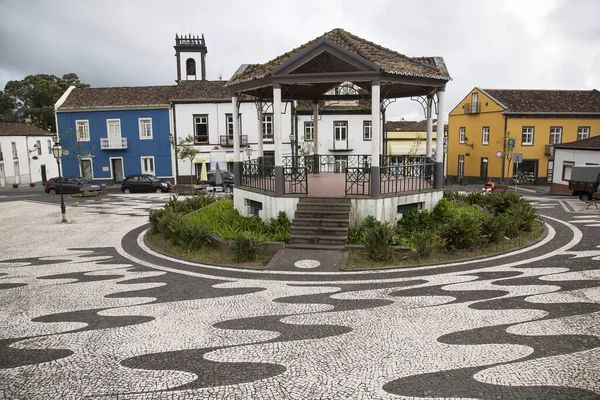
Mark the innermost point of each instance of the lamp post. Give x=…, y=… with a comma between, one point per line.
x=249, y=152
x=57, y=152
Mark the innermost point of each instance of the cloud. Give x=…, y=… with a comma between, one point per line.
x=510, y=44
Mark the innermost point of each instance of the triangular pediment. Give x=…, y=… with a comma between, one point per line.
x=325, y=56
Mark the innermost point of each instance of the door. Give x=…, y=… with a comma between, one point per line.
x=474, y=103
x=44, y=175
x=17, y=173
x=117, y=169
x=114, y=134
x=86, y=169
x=483, y=169
x=2, y=176
x=461, y=167
x=340, y=135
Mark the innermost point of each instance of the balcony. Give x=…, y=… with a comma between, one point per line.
x=471, y=108
x=549, y=150
x=340, y=145
x=113, y=144
x=227, y=141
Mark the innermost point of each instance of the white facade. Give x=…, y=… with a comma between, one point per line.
x=329, y=138
x=565, y=159
x=23, y=162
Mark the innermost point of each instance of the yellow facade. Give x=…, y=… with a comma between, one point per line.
x=492, y=115
x=414, y=143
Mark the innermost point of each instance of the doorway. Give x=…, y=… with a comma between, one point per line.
x=2, y=176
x=86, y=169
x=44, y=174
x=117, y=169
x=17, y=173
x=483, y=169
x=461, y=167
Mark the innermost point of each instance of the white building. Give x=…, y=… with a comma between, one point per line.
x=25, y=154
x=568, y=155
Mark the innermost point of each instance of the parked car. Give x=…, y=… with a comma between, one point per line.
x=228, y=178
x=144, y=183
x=71, y=184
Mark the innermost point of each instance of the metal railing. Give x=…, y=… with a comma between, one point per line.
x=471, y=108
x=113, y=144
x=340, y=145
x=409, y=175
x=295, y=180
x=227, y=141
x=358, y=181
x=258, y=176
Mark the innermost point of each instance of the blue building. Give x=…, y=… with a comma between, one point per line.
x=114, y=132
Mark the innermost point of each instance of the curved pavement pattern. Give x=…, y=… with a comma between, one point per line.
x=88, y=312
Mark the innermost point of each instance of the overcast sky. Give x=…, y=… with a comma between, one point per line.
x=547, y=44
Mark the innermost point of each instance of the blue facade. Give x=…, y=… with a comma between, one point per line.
x=105, y=161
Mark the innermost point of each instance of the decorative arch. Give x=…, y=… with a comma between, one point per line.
x=190, y=66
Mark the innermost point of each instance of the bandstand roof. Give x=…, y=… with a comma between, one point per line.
x=311, y=70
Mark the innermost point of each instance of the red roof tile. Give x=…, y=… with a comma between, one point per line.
x=389, y=61
x=519, y=101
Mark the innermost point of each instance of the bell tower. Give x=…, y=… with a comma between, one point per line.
x=190, y=52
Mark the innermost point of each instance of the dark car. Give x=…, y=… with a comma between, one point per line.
x=227, y=177
x=71, y=184
x=144, y=183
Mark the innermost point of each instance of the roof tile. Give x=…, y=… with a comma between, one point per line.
x=520, y=101
x=21, y=129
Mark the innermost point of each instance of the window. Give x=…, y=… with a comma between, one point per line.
x=474, y=103
x=462, y=135
x=527, y=136
x=309, y=131
x=38, y=147
x=83, y=131
x=367, y=130
x=583, y=132
x=229, y=124
x=14, y=150
x=566, y=170
x=555, y=135
x=148, y=165
x=485, y=135
x=267, y=126
x=200, y=129
x=190, y=66
x=49, y=146
x=145, y=128
x=340, y=130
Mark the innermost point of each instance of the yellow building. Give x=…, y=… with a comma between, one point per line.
x=408, y=137
x=490, y=128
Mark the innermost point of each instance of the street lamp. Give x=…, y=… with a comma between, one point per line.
x=249, y=152
x=57, y=152
x=292, y=145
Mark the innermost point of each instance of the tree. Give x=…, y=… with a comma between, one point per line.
x=32, y=99
x=185, y=150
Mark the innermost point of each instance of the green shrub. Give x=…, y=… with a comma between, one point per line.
x=379, y=241
x=442, y=213
x=463, y=229
x=425, y=242
x=154, y=218
x=245, y=248
x=175, y=226
x=414, y=221
x=523, y=214
x=193, y=236
x=501, y=202
x=493, y=227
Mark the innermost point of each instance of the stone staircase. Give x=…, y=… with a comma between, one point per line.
x=320, y=223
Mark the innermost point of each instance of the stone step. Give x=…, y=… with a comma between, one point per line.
x=318, y=239
x=327, y=200
x=319, y=230
x=323, y=206
x=323, y=222
x=310, y=246
x=330, y=214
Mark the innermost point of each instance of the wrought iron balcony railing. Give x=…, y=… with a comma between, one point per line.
x=227, y=141
x=113, y=144
x=471, y=108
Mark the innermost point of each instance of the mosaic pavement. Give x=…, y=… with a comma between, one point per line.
x=87, y=311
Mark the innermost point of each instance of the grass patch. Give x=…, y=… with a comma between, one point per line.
x=358, y=259
x=209, y=254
